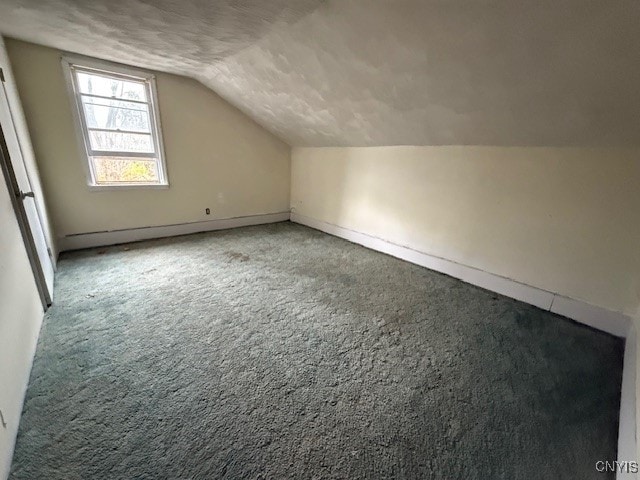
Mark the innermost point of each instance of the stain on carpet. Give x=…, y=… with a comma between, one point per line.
x=306, y=356
x=238, y=256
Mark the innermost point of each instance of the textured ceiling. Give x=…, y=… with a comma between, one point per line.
x=379, y=72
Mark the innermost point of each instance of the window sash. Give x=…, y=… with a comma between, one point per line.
x=154, y=132
x=86, y=129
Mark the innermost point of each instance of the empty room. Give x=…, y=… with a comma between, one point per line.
x=319, y=239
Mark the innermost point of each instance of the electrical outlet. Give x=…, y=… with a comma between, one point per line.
x=207, y=211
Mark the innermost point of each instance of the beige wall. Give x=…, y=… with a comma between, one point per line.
x=20, y=318
x=216, y=156
x=566, y=220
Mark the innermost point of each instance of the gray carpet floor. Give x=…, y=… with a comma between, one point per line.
x=277, y=352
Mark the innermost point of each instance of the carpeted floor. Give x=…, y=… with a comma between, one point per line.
x=278, y=352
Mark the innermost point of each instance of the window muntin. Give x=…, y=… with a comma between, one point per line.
x=119, y=126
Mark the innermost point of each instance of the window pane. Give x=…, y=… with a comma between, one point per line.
x=125, y=170
x=121, y=142
x=116, y=115
x=110, y=87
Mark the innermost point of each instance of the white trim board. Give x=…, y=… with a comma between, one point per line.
x=627, y=442
x=115, y=237
x=596, y=317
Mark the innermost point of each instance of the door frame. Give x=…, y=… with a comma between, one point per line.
x=21, y=216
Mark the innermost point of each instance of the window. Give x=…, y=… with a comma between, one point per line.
x=117, y=122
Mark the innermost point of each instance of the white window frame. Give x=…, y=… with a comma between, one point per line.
x=73, y=63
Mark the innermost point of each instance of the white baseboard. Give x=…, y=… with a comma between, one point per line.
x=596, y=317
x=115, y=237
x=627, y=442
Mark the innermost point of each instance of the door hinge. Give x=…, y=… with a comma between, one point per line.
x=1, y=75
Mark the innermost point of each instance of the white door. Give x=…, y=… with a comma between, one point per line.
x=25, y=195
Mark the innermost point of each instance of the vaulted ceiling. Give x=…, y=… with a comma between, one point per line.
x=379, y=72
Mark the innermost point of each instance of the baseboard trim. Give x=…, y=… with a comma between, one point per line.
x=627, y=442
x=115, y=237
x=596, y=317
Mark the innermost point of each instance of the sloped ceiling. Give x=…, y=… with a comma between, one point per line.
x=379, y=72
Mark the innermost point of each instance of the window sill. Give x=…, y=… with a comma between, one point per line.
x=131, y=186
